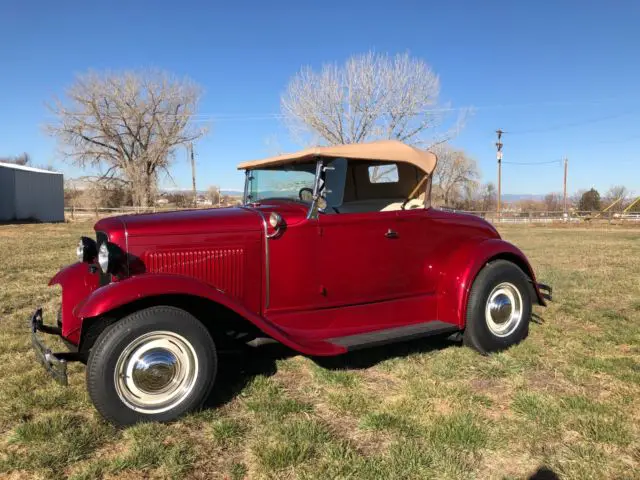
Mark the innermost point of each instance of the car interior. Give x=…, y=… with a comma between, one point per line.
x=382, y=187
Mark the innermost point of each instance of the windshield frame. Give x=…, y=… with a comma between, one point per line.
x=316, y=189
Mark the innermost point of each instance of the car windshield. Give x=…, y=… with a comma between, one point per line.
x=294, y=182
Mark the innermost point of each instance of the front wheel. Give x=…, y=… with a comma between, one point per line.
x=499, y=308
x=153, y=365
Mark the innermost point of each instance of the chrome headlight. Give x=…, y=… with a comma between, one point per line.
x=275, y=220
x=103, y=257
x=86, y=250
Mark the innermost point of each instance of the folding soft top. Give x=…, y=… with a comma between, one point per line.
x=383, y=150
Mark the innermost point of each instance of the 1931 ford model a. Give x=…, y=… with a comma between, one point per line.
x=334, y=249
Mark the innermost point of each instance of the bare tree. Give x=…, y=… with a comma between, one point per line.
x=553, y=202
x=127, y=125
x=488, y=197
x=617, y=193
x=370, y=97
x=455, y=172
x=213, y=193
x=22, y=159
x=575, y=199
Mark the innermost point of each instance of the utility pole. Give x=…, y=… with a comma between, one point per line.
x=193, y=175
x=564, y=194
x=499, y=158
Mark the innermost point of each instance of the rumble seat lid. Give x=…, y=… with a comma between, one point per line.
x=382, y=150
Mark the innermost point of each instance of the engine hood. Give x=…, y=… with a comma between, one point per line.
x=186, y=222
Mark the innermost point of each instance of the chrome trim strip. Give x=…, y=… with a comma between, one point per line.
x=312, y=214
x=387, y=335
x=246, y=187
x=266, y=253
x=126, y=243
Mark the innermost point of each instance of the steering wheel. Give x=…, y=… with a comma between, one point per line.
x=302, y=191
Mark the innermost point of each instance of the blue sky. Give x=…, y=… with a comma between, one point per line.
x=562, y=76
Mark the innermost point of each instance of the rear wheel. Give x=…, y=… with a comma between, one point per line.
x=154, y=365
x=499, y=308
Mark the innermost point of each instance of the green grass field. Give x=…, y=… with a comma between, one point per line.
x=567, y=398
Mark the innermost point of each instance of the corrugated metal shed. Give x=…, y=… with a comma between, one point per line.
x=28, y=193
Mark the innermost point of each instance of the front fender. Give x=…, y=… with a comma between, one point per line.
x=462, y=269
x=118, y=294
x=77, y=283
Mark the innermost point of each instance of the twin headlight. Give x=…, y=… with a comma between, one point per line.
x=87, y=251
x=104, y=257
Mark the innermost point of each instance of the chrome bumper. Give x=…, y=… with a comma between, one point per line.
x=54, y=363
x=546, y=291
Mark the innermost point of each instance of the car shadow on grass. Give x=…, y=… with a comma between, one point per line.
x=237, y=369
x=372, y=356
x=544, y=473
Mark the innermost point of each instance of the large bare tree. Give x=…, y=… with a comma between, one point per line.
x=127, y=125
x=454, y=173
x=370, y=97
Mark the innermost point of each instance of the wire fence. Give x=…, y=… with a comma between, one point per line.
x=81, y=213
x=505, y=217
x=542, y=217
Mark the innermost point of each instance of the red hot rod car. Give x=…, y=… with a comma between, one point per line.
x=334, y=249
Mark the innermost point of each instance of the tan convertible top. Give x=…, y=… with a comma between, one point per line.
x=385, y=150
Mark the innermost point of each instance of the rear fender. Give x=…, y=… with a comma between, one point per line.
x=462, y=269
x=119, y=294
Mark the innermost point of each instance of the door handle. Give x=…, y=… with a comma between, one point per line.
x=391, y=234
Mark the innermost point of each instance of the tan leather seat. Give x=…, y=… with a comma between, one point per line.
x=411, y=204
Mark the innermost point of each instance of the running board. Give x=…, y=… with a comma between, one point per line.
x=390, y=335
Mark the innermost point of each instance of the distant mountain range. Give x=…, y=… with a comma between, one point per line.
x=230, y=192
x=83, y=184
x=516, y=197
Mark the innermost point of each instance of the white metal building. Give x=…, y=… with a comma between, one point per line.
x=28, y=193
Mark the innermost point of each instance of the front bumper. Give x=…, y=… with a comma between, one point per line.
x=54, y=363
x=546, y=291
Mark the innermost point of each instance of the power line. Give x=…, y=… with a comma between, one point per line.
x=534, y=163
x=271, y=115
x=573, y=124
x=621, y=140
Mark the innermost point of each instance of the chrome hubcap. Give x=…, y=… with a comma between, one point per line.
x=156, y=372
x=503, y=312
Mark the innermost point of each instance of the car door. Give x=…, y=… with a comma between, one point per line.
x=417, y=273
x=376, y=271
x=357, y=258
